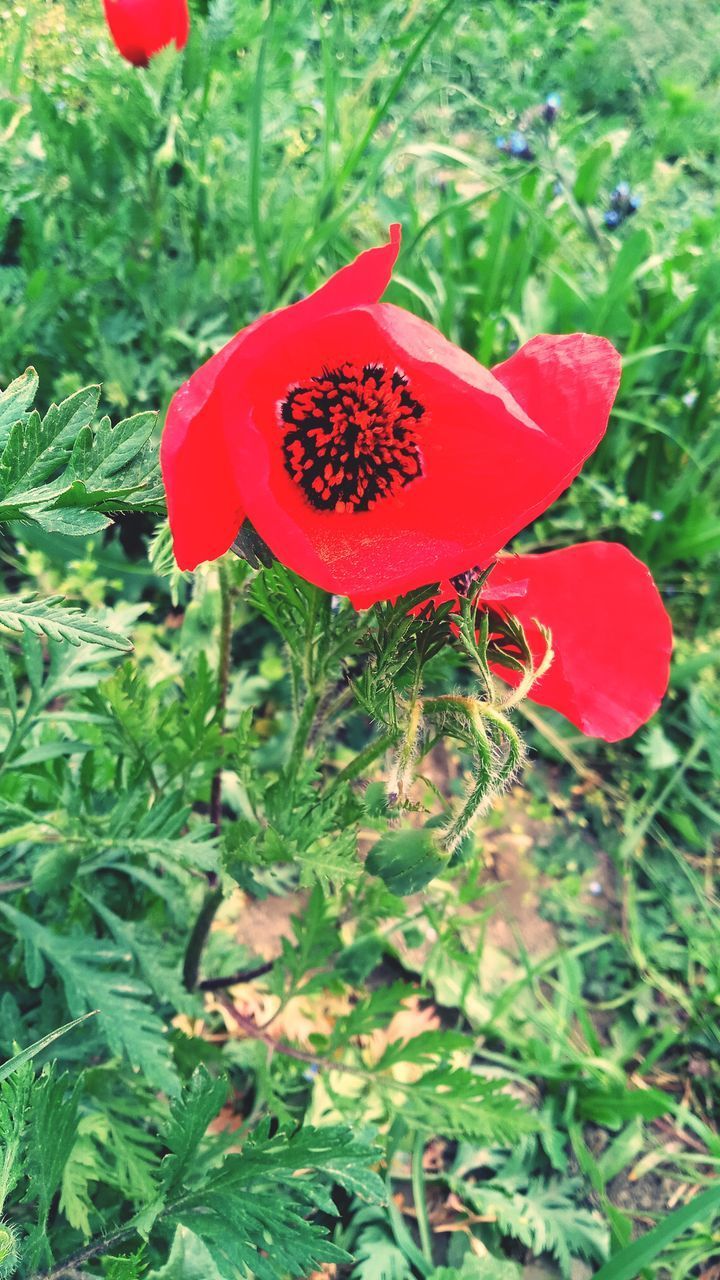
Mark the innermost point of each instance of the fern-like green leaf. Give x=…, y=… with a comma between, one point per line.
x=16, y=400
x=94, y=976
x=65, y=474
x=50, y=618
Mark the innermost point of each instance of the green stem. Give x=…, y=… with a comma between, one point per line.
x=401, y=778
x=66, y=1269
x=418, y=1189
x=361, y=762
x=481, y=787
x=514, y=742
x=302, y=732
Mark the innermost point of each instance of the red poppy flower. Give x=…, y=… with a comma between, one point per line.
x=140, y=28
x=611, y=635
x=371, y=454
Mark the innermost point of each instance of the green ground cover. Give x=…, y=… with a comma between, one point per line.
x=564, y=1098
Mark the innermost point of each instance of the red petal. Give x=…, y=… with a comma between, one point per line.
x=202, y=429
x=488, y=468
x=567, y=385
x=611, y=635
x=204, y=506
x=140, y=28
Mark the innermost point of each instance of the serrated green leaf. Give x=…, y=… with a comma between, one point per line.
x=189, y=1259
x=545, y=1218
x=36, y=447
x=190, y=1116
x=97, y=457
x=450, y=1099
x=49, y=617
x=16, y=400
x=52, y=1127
x=94, y=975
x=379, y=1258
x=69, y=520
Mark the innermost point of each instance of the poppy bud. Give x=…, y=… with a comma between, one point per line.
x=141, y=28
x=8, y=1249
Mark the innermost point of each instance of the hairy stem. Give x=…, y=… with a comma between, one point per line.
x=301, y=735
x=69, y=1268
x=401, y=777
x=361, y=762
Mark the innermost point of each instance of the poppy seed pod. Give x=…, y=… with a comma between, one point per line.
x=141, y=28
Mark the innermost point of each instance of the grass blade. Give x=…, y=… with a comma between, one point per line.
x=629, y=1262
x=14, y=1064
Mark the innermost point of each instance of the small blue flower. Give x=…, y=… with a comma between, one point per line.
x=634, y=204
x=519, y=146
x=621, y=194
x=552, y=107
x=657, y=515
x=501, y=144
x=613, y=218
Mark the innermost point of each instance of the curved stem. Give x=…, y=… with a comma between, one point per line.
x=481, y=788
x=401, y=777
x=199, y=936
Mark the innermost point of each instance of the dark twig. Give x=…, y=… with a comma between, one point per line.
x=233, y=979
x=214, y=896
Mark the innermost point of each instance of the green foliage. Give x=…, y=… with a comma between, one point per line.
x=47, y=618
x=63, y=474
x=406, y=860
x=146, y=216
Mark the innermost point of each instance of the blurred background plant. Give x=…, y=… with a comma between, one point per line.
x=572, y=955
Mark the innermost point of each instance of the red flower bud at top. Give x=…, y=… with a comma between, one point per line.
x=141, y=28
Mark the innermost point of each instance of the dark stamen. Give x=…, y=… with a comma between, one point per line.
x=464, y=582
x=351, y=436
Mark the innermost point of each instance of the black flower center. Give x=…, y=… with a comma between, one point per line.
x=351, y=436
x=465, y=582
